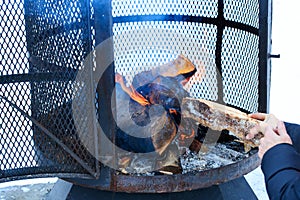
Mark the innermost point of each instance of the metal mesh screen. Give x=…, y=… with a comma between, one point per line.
x=203, y=8
x=61, y=36
x=144, y=45
x=17, y=148
x=140, y=46
x=240, y=72
x=44, y=43
x=245, y=12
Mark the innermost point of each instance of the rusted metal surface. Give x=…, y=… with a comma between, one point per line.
x=173, y=183
x=184, y=182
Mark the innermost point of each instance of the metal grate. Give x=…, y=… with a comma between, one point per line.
x=60, y=36
x=203, y=8
x=16, y=144
x=240, y=69
x=44, y=45
x=245, y=12
x=141, y=46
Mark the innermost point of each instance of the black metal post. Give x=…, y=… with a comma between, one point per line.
x=265, y=24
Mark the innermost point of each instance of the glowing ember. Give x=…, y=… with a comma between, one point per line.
x=183, y=136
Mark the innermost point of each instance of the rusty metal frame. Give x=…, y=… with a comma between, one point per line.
x=171, y=183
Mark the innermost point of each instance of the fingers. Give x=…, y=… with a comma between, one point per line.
x=281, y=128
x=259, y=116
x=253, y=131
x=262, y=148
x=285, y=138
x=271, y=120
x=270, y=133
x=273, y=130
x=260, y=128
x=273, y=137
x=268, y=141
x=266, y=120
x=251, y=134
x=261, y=151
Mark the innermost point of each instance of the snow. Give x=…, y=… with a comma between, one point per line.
x=28, y=182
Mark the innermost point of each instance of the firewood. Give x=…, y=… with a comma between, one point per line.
x=220, y=117
x=195, y=146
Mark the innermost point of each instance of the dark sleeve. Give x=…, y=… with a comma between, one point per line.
x=281, y=167
x=294, y=132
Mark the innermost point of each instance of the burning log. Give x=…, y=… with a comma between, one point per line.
x=220, y=117
x=195, y=146
x=181, y=68
x=163, y=85
x=153, y=104
x=157, y=102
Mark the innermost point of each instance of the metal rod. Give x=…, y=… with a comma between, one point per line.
x=265, y=24
x=187, y=18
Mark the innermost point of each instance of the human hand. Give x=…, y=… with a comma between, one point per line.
x=266, y=120
x=273, y=137
x=273, y=130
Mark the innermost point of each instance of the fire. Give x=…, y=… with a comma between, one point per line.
x=181, y=65
x=173, y=111
x=185, y=81
x=196, y=78
x=138, y=97
x=131, y=91
x=183, y=136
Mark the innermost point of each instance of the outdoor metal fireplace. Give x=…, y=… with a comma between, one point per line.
x=60, y=103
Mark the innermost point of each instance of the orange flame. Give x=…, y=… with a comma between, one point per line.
x=184, y=136
x=172, y=111
x=138, y=97
x=131, y=91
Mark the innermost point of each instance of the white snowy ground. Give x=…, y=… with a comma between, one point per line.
x=256, y=181
x=31, y=189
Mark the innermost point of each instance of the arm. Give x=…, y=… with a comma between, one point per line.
x=294, y=131
x=281, y=168
x=280, y=159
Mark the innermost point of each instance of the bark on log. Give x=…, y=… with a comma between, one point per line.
x=220, y=117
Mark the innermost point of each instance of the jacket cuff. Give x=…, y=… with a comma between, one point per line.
x=279, y=157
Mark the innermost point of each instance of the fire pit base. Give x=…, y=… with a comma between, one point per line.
x=232, y=190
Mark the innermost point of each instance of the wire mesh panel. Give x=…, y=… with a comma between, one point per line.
x=141, y=46
x=240, y=72
x=43, y=44
x=46, y=44
x=17, y=148
x=225, y=49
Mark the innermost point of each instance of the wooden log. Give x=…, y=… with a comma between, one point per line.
x=220, y=117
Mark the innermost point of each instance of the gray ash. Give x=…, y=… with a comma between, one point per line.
x=214, y=157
